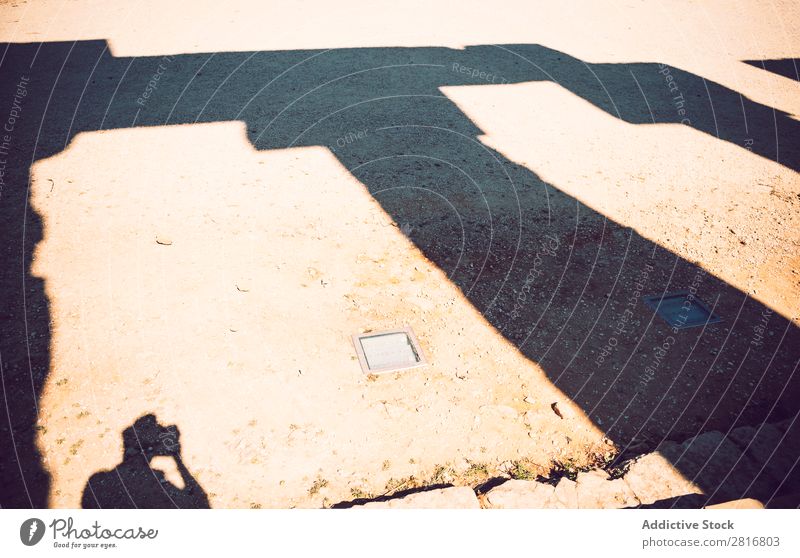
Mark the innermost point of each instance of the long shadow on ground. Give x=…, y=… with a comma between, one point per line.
x=555, y=277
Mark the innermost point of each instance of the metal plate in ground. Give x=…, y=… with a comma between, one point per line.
x=387, y=351
x=681, y=309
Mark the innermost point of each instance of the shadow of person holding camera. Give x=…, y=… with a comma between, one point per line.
x=135, y=483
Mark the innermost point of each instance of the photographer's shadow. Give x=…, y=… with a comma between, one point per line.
x=134, y=483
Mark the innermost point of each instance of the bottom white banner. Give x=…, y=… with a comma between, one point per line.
x=401, y=532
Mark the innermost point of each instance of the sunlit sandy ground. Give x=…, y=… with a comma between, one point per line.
x=238, y=331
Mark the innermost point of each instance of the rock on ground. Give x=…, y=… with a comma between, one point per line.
x=444, y=498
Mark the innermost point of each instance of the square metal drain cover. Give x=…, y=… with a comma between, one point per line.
x=681, y=309
x=387, y=351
